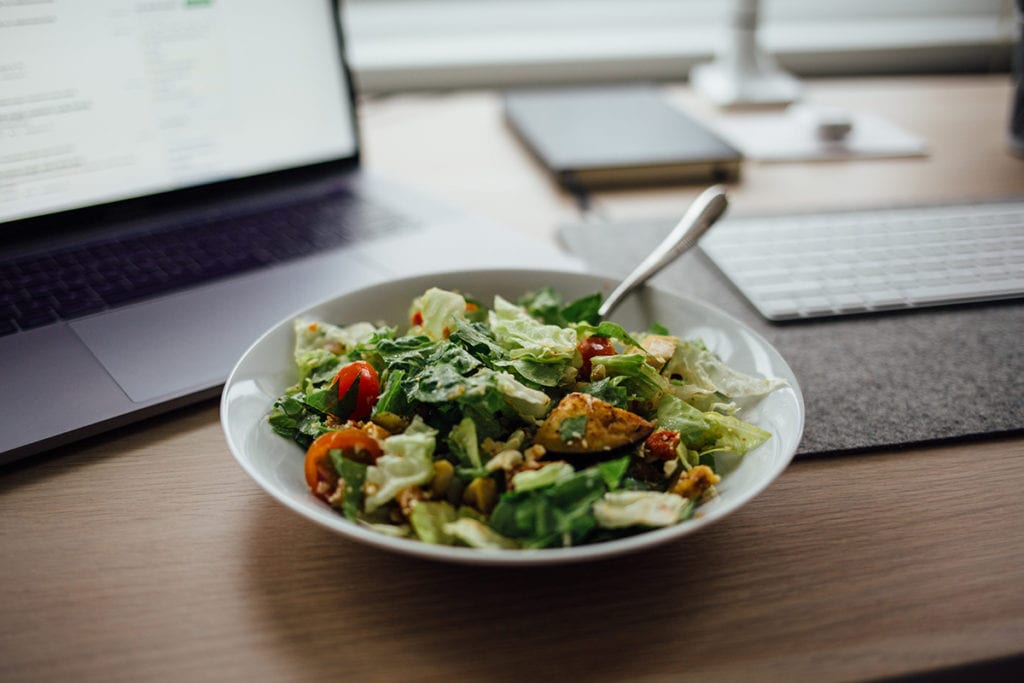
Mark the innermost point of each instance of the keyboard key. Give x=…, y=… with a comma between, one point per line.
x=847, y=302
x=815, y=305
x=35, y=316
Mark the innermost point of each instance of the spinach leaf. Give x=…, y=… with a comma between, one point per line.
x=607, y=329
x=325, y=401
x=287, y=412
x=436, y=384
x=707, y=459
x=547, y=305
x=447, y=353
x=478, y=339
x=354, y=475
x=309, y=427
x=612, y=471
x=557, y=515
x=572, y=428
x=392, y=398
x=406, y=353
x=609, y=390
x=535, y=372
x=544, y=304
x=583, y=310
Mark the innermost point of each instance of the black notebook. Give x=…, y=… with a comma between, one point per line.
x=614, y=136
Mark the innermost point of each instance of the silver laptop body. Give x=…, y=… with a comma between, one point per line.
x=148, y=125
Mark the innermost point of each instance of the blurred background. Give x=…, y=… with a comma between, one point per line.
x=401, y=45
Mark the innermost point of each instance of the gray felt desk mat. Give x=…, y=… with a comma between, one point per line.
x=870, y=380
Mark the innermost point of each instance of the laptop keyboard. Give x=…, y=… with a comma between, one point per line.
x=76, y=281
x=813, y=265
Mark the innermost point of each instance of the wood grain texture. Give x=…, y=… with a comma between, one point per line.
x=148, y=555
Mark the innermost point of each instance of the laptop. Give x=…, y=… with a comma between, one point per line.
x=174, y=179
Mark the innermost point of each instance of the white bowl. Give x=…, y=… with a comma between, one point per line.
x=266, y=370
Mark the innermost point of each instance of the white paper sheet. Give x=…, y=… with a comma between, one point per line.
x=788, y=136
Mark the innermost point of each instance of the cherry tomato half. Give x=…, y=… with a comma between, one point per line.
x=590, y=347
x=361, y=374
x=662, y=444
x=353, y=443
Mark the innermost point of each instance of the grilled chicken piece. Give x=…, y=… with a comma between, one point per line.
x=581, y=423
x=659, y=348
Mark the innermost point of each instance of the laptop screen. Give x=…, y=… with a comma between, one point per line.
x=114, y=99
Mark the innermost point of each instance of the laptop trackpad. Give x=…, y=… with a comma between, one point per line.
x=189, y=342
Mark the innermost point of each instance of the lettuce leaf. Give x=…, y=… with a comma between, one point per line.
x=407, y=461
x=476, y=534
x=337, y=339
x=549, y=475
x=442, y=311
x=710, y=431
x=316, y=366
x=429, y=519
x=525, y=337
x=528, y=403
x=623, y=509
x=641, y=379
x=607, y=329
x=462, y=441
x=709, y=383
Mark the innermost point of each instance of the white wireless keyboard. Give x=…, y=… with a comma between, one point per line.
x=823, y=264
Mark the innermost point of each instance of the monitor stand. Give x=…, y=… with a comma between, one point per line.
x=742, y=74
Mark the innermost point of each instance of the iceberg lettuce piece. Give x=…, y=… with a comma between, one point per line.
x=528, y=403
x=407, y=461
x=337, y=339
x=527, y=338
x=734, y=435
x=463, y=442
x=708, y=432
x=393, y=530
x=429, y=518
x=641, y=379
x=315, y=366
x=442, y=311
x=622, y=509
x=476, y=534
x=319, y=345
x=549, y=475
x=711, y=384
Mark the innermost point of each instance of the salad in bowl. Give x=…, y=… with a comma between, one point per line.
x=524, y=423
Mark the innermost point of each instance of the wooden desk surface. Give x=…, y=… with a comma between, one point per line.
x=148, y=555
